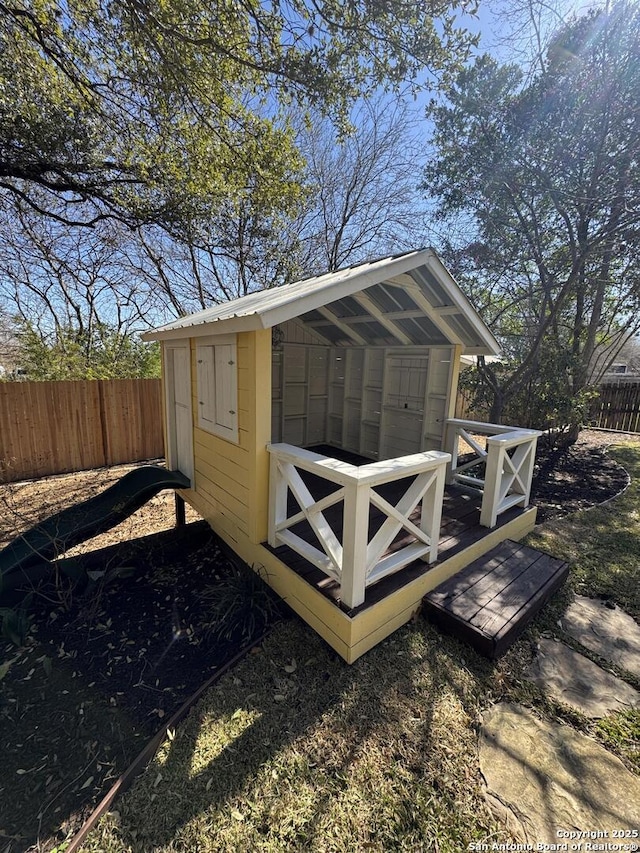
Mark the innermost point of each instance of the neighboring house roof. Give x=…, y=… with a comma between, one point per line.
x=472, y=360
x=408, y=299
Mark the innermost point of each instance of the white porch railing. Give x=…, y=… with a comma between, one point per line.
x=509, y=457
x=357, y=561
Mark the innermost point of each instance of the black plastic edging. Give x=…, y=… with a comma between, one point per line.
x=146, y=755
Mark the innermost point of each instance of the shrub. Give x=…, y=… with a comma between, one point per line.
x=240, y=605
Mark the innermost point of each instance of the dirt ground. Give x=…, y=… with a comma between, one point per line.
x=102, y=665
x=580, y=477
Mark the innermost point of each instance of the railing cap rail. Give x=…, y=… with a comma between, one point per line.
x=324, y=466
x=402, y=466
x=481, y=426
x=516, y=436
x=369, y=474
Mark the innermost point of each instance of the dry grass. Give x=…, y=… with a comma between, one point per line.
x=377, y=756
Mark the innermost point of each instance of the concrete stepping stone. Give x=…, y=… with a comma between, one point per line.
x=572, y=678
x=609, y=632
x=547, y=779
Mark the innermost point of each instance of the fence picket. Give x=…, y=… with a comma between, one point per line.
x=617, y=407
x=57, y=427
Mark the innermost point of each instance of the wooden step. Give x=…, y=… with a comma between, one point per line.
x=491, y=601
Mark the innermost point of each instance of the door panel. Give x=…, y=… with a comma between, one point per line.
x=179, y=416
x=403, y=405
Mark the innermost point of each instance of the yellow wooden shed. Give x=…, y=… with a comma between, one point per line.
x=316, y=424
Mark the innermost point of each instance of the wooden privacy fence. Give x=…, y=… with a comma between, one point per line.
x=617, y=407
x=56, y=427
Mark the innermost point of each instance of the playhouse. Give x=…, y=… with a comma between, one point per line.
x=315, y=422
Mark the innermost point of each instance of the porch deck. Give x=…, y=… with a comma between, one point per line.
x=459, y=531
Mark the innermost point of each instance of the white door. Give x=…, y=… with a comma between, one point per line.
x=179, y=417
x=405, y=384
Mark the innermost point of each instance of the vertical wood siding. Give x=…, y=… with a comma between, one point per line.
x=57, y=427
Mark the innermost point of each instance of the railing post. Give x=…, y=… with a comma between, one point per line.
x=431, y=511
x=277, y=499
x=526, y=467
x=451, y=446
x=354, y=543
x=492, y=484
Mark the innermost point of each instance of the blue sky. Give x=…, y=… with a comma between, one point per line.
x=497, y=19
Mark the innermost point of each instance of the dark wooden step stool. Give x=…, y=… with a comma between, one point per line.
x=491, y=601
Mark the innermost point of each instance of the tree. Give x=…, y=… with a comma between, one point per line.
x=546, y=178
x=362, y=198
x=54, y=276
x=8, y=346
x=99, y=353
x=154, y=112
x=72, y=304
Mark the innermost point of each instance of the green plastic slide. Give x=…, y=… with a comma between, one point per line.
x=51, y=537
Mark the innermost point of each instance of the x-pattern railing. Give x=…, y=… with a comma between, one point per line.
x=509, y=457
x=357, y=561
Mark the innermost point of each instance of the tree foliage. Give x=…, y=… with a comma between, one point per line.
x=156, y=112
x=97, y=353
x=545, y=179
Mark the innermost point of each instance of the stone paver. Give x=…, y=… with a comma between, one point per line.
x=549, y=777
x=572, y=678
x=609, y=632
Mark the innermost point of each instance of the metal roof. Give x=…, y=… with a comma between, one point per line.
x=408, y=299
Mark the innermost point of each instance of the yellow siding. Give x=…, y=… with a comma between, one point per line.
x=397, y=620
x=231, y=480
x=222, y=464
x=244, y=437
x=212, y=446
x=221, y=524
x=224, y=495
x=244, y=400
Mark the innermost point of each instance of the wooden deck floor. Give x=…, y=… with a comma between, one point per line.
x=460, y=528
x=492, y=600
